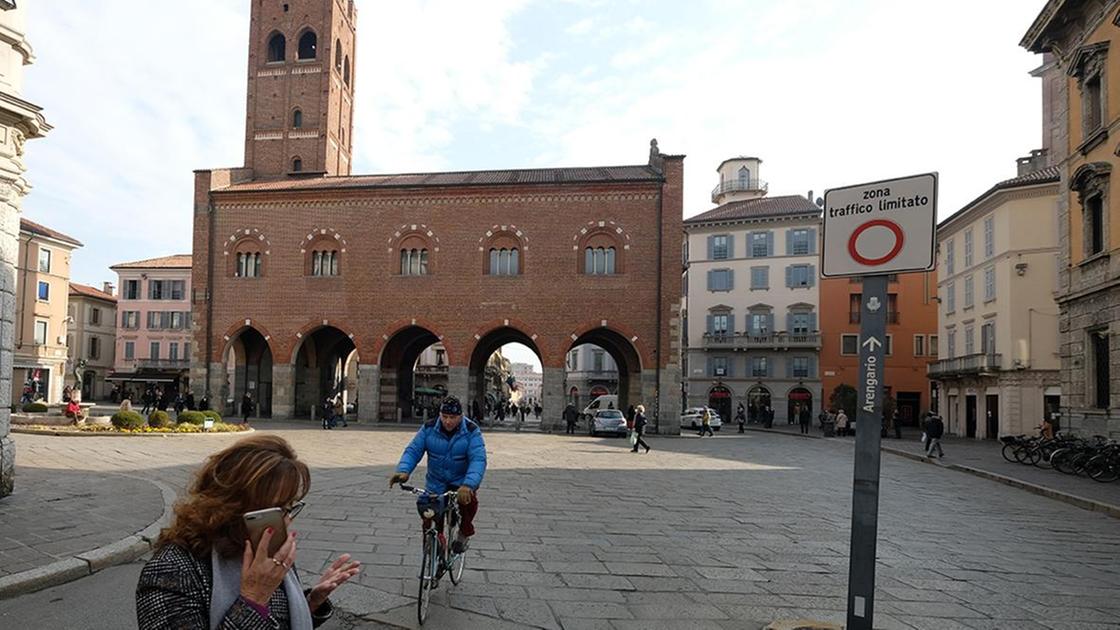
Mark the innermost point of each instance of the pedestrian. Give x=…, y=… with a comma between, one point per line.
x=1046, y=429
x=500, y=412
x=639, y=428
x=327, y=410
x=246, y=408
x=741, y=418
x=896, y=420
x=823, y=417
x=180, y=404
x=537, y=409
x=806, y=418
x=475, y=411
x=570, y=416
x=147, y=400
x=339, y=410
x=190, y=401
x=706, y=423
x=841, y=423
x=204, y=404
x=521, y=411
x=795, y=416
x=934, y=430
x=768, y=411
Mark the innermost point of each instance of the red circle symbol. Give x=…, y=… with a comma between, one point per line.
x=899, y=239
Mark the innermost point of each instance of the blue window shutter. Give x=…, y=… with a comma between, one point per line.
x=730, y=279
x=812, y=240
x=813, y=322
x=711, y=247
x=711, y=277
x=812, y=367
x=769, y=243
x=711, y=369
x=730, y=366
x=730, y=245
x=789, y=367
x=812, y=275
x=711, y=324
x=789, y=242
x=769, y=366
x=770, y=323
x=731, y=324
x=766, y=277
x=789, y=276
x=750, y=244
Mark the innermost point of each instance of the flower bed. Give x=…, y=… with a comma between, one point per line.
x=108, y=429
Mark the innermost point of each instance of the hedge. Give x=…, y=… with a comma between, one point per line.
x=35, y=407
x=213, y=415
x=191, y=417
x=127, y=420
x=159, y=419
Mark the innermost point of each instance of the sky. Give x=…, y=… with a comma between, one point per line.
x=827, y=92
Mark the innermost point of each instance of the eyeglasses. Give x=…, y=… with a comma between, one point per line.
x=294, y=511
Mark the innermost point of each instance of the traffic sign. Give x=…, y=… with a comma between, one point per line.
x=880, y=227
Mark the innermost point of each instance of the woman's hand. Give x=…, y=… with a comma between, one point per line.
x=262, y=575
x=335, y=575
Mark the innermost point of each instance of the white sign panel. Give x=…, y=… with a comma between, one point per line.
x=880, y=227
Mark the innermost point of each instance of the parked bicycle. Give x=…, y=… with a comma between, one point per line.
x=1098, y=458
x=441, y=524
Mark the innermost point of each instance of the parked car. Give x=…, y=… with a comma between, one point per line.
x=694, y=417
x=609, y=421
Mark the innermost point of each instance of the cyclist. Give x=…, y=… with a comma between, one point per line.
x=456, y=461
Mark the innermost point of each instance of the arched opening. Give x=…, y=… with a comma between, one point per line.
x=346, y=70
x=719, y=398
x=248, y=362
x=758, y=405
x=604, y=363
x=277, y=47
x=325, y=367
x=297, y=119
x=414, y=375
x=338, y=55
x=505, y=375
x=744, y=177
x=297, y=165
x=799, y=399
x=308, y=45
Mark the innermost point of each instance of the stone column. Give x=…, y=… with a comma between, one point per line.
x=457, y=383
x=9, y=252
x=668, y=418
x=283, y=391
x=369, y=392
x=217, y=388
x=553, y=399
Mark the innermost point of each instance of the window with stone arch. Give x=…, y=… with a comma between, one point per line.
x=277, y=48
x=297, y=119
x=602, y=254
x=323, y=250
x=1091, y=183
x=297, y=165
x=504, y=254
x=744, y=177
x=248, y=256
x=415, y=255
x=308, y=46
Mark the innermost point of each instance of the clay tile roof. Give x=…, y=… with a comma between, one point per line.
x=42, y=230
x=178, y=261
x=641, y=173
x=754, y=208
x=88, y=291
x=1046, y=175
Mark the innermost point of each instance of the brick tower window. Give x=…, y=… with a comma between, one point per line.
x=308, y=45
x=248, y=265
x=277, y=47
x=346, y=70
x=602, y=254
x=297, y=119
x=324, y=263
x=297, y=165
x=599, y=261
x=338, y=55
x=504, y=262
x=414, y=262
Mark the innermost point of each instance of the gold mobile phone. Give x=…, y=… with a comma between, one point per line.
x=258, y=521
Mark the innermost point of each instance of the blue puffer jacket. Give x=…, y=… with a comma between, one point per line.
x=458, y=460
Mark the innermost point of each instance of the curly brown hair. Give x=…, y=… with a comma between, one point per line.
x=257, y=472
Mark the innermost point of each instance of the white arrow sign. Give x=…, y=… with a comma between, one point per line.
x=872, y=343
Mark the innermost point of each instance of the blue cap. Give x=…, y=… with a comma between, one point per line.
x=451, y=406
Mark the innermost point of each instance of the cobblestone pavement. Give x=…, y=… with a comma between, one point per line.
x=725, y=532
x=57, y=514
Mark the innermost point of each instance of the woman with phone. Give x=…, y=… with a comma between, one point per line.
x=227, y=560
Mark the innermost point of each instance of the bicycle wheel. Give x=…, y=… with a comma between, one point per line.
x=1032, y=456
x=1062, y=460
x=1021, y=453
x=1102, y=468
x=456, y=561
x=1044, y=454
x=1009, y=451
x=427, y=577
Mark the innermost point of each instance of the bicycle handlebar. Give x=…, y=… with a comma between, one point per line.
x=425, y=492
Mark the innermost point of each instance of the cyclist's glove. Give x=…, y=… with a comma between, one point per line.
x=465, y=495
x=398, y=478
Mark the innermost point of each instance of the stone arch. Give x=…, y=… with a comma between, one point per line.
x=605, y=234
x=247, y=360
x=397, y=354
x=247, y=241
x=504, y=237
x=276, y=47
x=481, y=382
x=628, y=355
x=416, y=239
x=322, y=240
x=307, y=47
x=321, y=362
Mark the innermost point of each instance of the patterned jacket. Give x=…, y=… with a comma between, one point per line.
x=174, y=594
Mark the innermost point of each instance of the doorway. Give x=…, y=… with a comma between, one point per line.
x=799, y=399
x=719, y=398
x=1052, y=404
x=970, y=416
x=991, y=403
x=909, y=408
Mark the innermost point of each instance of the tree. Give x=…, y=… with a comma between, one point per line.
x=844, y=397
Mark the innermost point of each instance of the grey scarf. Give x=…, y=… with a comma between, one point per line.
x=227, y=588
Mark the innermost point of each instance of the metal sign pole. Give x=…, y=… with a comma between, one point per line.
x=865, y=488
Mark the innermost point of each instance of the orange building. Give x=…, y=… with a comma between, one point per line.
x=911, y=338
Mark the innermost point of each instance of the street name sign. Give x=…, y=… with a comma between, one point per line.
x=880, y=227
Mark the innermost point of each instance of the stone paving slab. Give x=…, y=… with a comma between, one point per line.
x=730, y=532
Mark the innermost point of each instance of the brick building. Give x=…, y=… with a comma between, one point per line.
x=378, y=268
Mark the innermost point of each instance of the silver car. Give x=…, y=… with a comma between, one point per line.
x=609, y=421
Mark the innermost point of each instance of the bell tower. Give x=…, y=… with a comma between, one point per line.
x=301, y=88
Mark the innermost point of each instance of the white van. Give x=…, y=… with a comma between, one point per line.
x=606, y=401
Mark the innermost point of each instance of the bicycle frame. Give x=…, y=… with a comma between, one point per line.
x=436, y=555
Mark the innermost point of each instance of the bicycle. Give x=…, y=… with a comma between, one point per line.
x=441, y=518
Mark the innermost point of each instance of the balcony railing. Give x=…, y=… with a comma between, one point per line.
x=854, y=318
x=737, y=185
x=750, y=341
x=968, y=364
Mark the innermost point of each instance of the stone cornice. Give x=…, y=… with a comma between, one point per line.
x=379, y=202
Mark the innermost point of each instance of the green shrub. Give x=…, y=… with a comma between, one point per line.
x=35, y=407
x=127, y=420
x=159, y=419
x=191, y=417
x=213, y=415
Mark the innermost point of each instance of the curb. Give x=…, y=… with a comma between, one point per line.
x=1092, y=505
x=94, y=560
x=797, y=435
